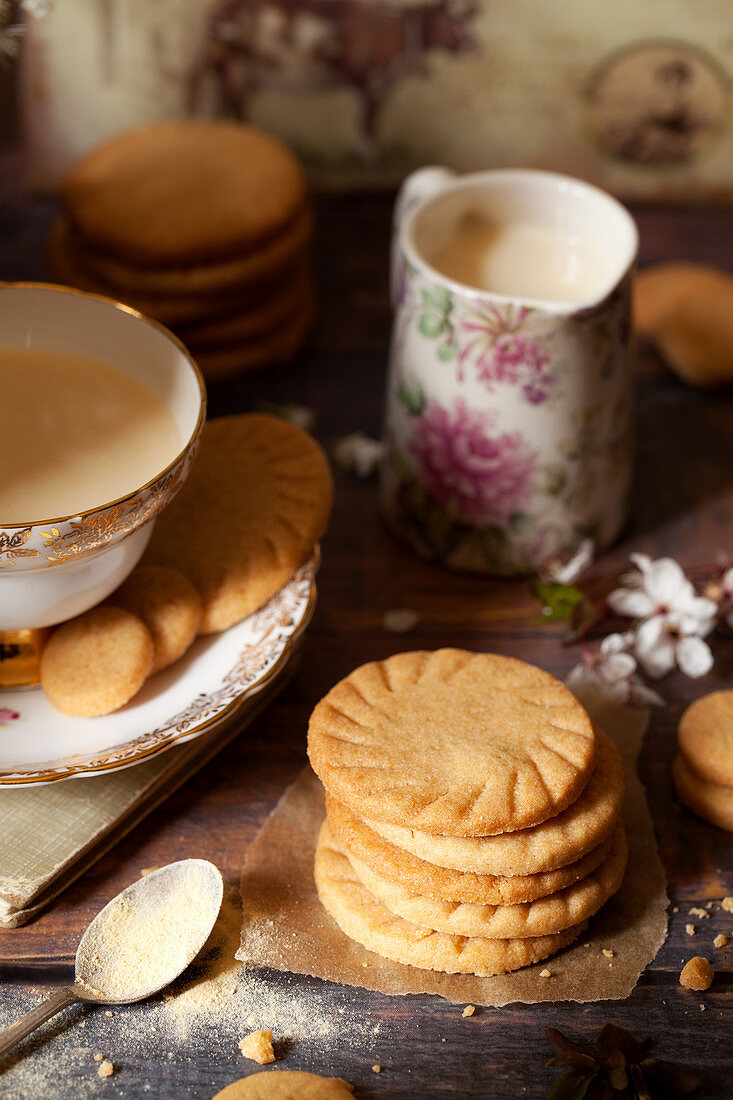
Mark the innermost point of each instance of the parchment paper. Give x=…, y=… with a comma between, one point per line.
x=285, y=926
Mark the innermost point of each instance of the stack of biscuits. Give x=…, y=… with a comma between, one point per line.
x=202, y=225
x=703, y=767
x=472, y=811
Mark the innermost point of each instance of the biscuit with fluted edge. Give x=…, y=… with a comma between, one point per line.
x=168, y=604
x=542, y=848
x=96, y=663
x=365, y=919
x=250, y=513
x=181, y=192
x=709, y=801
x=705, y=737
x=443, y=883
x=541, y=917
x=452, y=742
x=287, y=1084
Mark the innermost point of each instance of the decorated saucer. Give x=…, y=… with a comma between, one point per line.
x=206, y=686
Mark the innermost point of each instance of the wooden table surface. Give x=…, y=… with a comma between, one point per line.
x=683, y=506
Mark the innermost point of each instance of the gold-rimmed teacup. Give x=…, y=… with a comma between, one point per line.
x=55, y=567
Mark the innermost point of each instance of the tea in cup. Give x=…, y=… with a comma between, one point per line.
x=101, y=414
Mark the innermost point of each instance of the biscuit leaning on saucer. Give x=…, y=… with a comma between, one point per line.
x=546, y=847
x=287, y=1084
x=96, y=663
x=368, y=921
x=403, y=869
x=452, y=742
x=168, y=604
x=248, y=516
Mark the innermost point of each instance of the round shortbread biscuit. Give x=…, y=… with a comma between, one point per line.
x=365, y=919
x=287, y=300
x=96, y=663
x=65, y=268
x=542, y=917
x=659, y=287
x=286, y=1084
x=406, y=870
x=268, y=260
x=705, y=737
x=552, y=844
x=452, y=742
x=709, y=801
x=168, y=604
x=249, y=514
x=279, y=345
x=183, y=192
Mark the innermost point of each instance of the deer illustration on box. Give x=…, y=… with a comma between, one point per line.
x=253, y=45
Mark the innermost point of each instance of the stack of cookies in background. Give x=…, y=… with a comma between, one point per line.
x=472, y=811
x=703, y=767
x=203, y=225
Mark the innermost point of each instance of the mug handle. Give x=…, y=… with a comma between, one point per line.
x=418, y=186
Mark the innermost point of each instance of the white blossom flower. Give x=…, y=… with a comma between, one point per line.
x=674, y=620
x=359, y=452
x=566, y=572
x=609, y=675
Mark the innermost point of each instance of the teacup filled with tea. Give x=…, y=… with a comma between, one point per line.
x=100, y=418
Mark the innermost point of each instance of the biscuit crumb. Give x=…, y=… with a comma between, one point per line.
x=697, y=974
x=469, y=1010
x=400, y=620
x=109, y=1013
x=258, y=1047
x=720, y=941
x=609, y=952
x=545, y=973
x=690, y=929
x=148, y=871
x=727, y=904
x=697, y=912
x=702, y=1008
x=106, y=1069
x=676, y=909
x=376, y=1069
x=98, y=1057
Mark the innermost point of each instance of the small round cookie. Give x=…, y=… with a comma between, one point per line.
x=705, y=737
x=65, y=267
x=542, y=917
x=270, y=259
x=452, y=742
x=183, y=192
x=96, y=663
x=442, y=883
x=249, y=514
x=280, y=345
x=365, y=919
x=168, y=604
x=287, y=1084
x=554, y=843
x=709, y=801
x=657, y=289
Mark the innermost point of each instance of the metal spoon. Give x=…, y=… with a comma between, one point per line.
x=142, y=939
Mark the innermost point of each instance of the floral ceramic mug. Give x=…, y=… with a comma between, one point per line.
x=508, y=421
